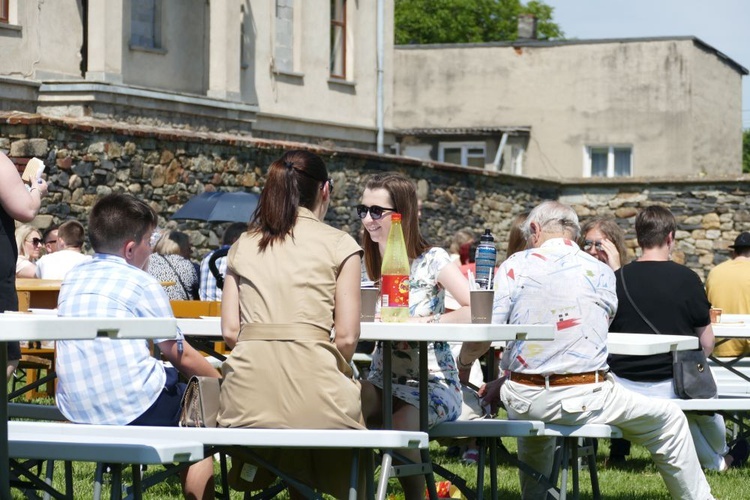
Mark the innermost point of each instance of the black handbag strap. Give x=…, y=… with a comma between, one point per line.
x=630, y=299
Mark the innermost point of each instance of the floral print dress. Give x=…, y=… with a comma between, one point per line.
x=426, y=297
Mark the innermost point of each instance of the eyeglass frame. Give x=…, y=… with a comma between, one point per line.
x=363, y=210
x=35, y=241
x=154, y=238
x=587, y=244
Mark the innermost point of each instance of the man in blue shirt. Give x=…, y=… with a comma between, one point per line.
x=208, y=289
x=118, y=382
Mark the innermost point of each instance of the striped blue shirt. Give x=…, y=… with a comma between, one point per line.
x=207, y=289
x=109, y=381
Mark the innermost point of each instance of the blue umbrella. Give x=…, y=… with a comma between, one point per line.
x=219, y=206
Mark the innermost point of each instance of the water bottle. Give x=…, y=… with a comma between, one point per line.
x=485, y=260
x=394, y=275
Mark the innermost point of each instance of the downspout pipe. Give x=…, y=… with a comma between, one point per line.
x=380, y=57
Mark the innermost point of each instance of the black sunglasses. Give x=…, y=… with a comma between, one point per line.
x=35, y=241
x=376, y=212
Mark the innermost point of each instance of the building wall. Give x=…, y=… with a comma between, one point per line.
x=167, y=168
x=648, y=94
x=42, y=41
x=181, y=65
x=341, y=110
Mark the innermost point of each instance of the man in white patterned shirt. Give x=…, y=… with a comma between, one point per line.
x=565, y=381
x=118, y=382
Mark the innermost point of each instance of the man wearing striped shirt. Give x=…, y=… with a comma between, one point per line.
x=118, y=382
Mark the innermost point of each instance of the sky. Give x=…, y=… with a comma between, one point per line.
x=722, y=24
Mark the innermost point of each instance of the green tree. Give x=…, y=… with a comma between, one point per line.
x=746, y=151
x=468, y=21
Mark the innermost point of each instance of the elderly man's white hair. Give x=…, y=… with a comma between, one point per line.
x=553, y=216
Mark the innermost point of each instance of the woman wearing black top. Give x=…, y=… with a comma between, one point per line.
x=17, y=202
x=673, y=299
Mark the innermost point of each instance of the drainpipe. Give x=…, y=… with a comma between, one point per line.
x=381, y=50
x=499, y=154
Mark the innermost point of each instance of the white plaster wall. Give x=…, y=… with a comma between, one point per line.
x=184, y=64
x=308, y=94
x=47, y=43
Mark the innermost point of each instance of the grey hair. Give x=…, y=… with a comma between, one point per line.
x=553, y=216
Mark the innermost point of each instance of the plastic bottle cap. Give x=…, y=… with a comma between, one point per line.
x=395, y=217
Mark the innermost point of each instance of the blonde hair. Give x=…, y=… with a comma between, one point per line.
x=22, y=233
x=165, y=245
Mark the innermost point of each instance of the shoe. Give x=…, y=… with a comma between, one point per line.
x=470, y=457
x=739, y=453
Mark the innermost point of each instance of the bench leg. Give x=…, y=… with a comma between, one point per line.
x=354, y=474
x=596, y=493
x=493, y=467
x=385, y=472
x=98, y=480
x=564, y=466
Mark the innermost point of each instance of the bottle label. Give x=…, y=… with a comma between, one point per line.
x=395, y=290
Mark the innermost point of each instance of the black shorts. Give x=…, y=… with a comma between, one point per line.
x=165, y=411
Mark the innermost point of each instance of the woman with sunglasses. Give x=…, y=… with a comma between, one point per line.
x=290, y=280
x=22, y=204
x=29, y=242
x=432, y=272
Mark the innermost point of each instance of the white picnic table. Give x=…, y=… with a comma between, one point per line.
x=33, y=327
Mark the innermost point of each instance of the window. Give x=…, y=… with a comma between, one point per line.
x=4, y=11
x=608, y=161
x=145, y=24
x=468, y=154
x=338, y=39
x=284, y=49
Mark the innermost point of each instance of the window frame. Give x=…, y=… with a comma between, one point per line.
x=610, y=173
x=340, y=54
x=157, y=42
x=5, y=11
x=464, y=146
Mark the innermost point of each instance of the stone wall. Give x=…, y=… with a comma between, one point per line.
x=88, y=159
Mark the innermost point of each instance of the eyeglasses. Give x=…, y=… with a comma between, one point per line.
x=50, y=242
x=588, y=244
x=154, y=238
x=375, y=211
x=35, y=241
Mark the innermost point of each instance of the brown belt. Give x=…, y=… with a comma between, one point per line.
x=558, y=379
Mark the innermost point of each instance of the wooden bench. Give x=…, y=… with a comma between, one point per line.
x=72, y=442
x=489, y=431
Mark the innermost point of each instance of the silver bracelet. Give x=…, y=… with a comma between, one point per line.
x=435, y=318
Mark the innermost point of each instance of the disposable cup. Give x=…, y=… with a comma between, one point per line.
x=715, y=314
x=369, y=297
x=481, y=306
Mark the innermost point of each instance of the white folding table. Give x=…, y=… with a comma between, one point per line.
x=644, y=344
x=17, y=327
